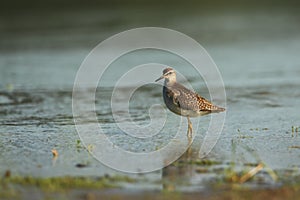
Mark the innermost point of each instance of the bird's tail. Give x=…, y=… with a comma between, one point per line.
x=217, y=109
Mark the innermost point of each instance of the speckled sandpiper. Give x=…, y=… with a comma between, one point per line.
x=183, y=101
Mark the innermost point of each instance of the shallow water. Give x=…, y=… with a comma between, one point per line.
x=257, y=56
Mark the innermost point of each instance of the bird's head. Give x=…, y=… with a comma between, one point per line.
x=169, y=75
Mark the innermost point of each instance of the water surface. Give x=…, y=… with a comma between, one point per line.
x=256, y=52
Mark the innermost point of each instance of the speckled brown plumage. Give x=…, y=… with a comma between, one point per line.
x=183, y=101
x=186, y=102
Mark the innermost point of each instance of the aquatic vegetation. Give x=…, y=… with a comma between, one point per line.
x=241, y=173
x=295, y=130
x=294, y=147
x=258, y=129
x=241, y=177
x=78, y=144
x=242, y=135
x=14, y=186
x=196, y=162
x=66, y=182
x=90, y=148
x=54, y=152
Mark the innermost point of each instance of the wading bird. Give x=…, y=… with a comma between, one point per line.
x=183, y=101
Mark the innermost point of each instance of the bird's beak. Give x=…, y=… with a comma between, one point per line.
x=162, y=77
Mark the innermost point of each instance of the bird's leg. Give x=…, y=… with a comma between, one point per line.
x=189, y=136
x=190, y=128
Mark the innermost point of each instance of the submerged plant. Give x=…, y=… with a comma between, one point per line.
x=248, y=171
x=295, y=130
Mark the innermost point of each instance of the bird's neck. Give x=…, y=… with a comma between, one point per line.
x=170, y=81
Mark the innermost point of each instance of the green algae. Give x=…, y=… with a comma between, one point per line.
x=197, y=162
x=66, y=182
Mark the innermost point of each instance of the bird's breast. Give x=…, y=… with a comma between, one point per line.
x=172, y=103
